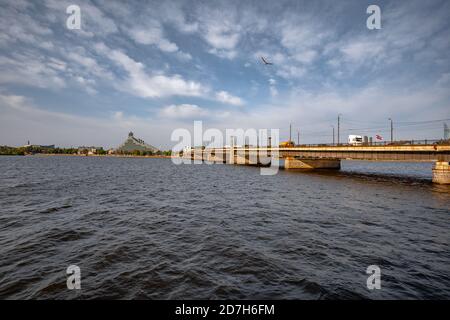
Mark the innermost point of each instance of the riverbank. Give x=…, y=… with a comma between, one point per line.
x=98, y=155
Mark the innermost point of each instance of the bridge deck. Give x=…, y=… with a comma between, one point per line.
x=375, y=153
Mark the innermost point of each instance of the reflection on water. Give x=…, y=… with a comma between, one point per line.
x=415, y=174
x=145, y=228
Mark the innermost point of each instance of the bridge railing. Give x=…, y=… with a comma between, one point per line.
x=376, y=143
x=383, y=143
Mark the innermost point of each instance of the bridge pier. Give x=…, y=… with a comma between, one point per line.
x=252, y=159
x=294, y=163
x=240, y=159
x=441, y=172
x=217, y=158
x=198, y=158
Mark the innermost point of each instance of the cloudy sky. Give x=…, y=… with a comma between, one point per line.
x=154, y=67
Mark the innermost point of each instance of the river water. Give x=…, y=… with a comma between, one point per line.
x=148, y=229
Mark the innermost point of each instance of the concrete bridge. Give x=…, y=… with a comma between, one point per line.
x=330, y=156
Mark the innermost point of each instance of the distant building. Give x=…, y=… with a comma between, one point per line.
x=187, y=149
x=88, y=150
x=37, y=146
x=135, y=144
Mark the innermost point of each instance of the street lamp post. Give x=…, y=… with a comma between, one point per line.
x=392, y=130
x=333, y=134
x=339, y=127
x=290, y=132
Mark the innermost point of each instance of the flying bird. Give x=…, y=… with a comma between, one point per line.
x=266, y=62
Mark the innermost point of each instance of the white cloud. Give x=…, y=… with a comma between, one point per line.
x=143, y=85
x=81, y=62
x=227, y=98
x=16, y=26
x=183, y=111
x=49, y=72
x=221, y=30
x=360, y=50
x=225, y=54
x=183, y=56
x=173, y=14
x=305, y=57
x=152, y=34
x=273, y=91
x=272, y=88
x=35, y=71
x=300, y=36
x=221, y=37
x=291, y=72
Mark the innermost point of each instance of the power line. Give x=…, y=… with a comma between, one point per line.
x=403, y=123
x=425, y=121
x=378, y=127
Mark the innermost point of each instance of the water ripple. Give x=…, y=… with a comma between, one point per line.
x=147, y=229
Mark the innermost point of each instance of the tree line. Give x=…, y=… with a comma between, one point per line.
x=143, y=153
x=21, y=151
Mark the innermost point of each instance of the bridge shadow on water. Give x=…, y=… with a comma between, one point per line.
x=416, y=175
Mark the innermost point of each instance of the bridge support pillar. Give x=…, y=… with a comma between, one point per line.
x=252, y=159
x=293, y=163
x=240, y=159
x=217, y=158
x=230, y=156
x=441, y=172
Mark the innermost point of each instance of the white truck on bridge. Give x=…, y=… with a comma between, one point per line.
x=355, y=140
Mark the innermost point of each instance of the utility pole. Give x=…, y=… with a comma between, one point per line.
x=298, y=137
x=290, y=132
x=392, y=130
x=333, y=134
x=339, y=128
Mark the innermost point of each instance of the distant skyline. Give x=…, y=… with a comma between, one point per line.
x=152, y=67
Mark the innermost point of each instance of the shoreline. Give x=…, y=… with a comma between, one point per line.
x=98, y=155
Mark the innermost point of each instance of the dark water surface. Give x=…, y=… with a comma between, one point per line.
x=145, y=228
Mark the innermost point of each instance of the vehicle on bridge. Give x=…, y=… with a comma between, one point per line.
x=355, y=140
x=287, y=144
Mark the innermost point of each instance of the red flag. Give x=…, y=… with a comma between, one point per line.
x=379, y=137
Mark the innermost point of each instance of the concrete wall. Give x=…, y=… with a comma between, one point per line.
x=441, y=172
x=292, y=163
